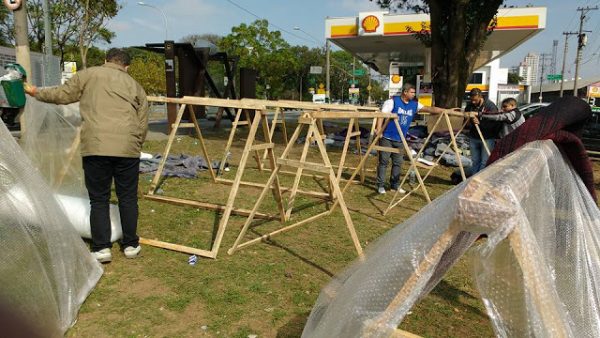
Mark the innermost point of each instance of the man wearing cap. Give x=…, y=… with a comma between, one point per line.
x=114, y=113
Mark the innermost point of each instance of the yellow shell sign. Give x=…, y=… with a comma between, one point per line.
x=370, y=24
x=396, y=78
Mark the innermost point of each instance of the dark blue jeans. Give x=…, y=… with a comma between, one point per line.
x=99, y=172
x=384, y=159
x=479, y=156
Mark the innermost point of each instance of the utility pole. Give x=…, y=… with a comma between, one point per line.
x=327, y=65
x=554, y=52
x=562, y=72
x=581, y=42
x=47, y=42
x=543, y=57
x=21, y=38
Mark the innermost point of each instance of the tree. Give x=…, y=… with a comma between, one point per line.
x=194, y=38
x=148, y=68
x=514, y=78
x=456, y=34
x=264, y=50
x=70, y=24
x=94, y=17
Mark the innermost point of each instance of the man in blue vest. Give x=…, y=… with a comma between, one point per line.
x=405, y=106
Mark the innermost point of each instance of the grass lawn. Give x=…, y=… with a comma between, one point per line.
x=267, y=289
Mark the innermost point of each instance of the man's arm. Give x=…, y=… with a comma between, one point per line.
x=503, y=117
x=68, y=93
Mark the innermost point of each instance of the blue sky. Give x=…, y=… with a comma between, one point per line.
x=137, y=25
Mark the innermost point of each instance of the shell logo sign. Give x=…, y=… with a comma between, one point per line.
x=396, y=78
x=370, y=24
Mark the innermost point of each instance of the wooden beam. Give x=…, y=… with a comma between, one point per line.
x=203, y=205
x=263, y=146
x=176, y=247
x=318, y=167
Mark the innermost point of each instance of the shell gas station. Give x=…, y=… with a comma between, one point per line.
x=385, y=42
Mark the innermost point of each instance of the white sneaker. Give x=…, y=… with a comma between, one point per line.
x=103, y=256
x=131, y=252
x=381, y=190
x=402, y=191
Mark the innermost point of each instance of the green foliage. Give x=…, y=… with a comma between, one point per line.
x=514, y=78
x=95, y=56
x=148, y=69
x=264, y=50
x=70, y=25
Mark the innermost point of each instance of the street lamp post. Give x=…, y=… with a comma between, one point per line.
x=141, y=3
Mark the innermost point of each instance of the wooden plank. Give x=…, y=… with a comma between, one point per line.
x=348, y=115
x=305, y=120
x=321, y=195
x=238, y=114
x=236, y=183
x=183, y=125
x=387, y=149
x=161, y=166
x=203, y=205
x=273, y=233
x=305, y=165
x=206, y=101
x=337, y=193
x=241, y=123
x=404, y=334
x=176, y=247
x=298, y=174
x=263, y=146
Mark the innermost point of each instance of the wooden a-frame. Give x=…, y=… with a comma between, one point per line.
x=308, y=120
x=250, y=147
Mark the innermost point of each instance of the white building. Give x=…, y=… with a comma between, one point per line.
x=528, y=69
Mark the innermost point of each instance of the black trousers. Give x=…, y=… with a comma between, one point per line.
x=99, y=172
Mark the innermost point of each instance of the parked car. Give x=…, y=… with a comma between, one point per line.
x=591, y=130
x=591, y=134
x=530, y=109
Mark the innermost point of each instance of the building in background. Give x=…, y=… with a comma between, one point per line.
x=528, y=69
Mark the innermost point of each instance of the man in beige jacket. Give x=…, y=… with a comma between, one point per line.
x=114, y=113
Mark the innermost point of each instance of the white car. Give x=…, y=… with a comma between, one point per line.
x=530, y=109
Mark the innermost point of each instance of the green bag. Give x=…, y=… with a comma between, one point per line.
x=14, y=92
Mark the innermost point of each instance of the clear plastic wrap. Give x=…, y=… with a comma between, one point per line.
x=46, y=271
x=50, y=140
x=538, y=272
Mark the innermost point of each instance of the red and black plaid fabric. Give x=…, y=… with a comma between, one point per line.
x=561, y=122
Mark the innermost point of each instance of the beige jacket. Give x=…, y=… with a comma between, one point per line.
x=113, y=108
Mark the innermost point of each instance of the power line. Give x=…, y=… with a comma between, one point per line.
x=270, y=23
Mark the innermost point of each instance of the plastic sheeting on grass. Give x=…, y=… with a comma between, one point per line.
x=46, y=271
x=49, y=140
x=538, y=273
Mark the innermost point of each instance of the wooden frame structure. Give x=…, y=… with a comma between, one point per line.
x=279, y=107
x=309, y=120
x=445, y=116
x=259, y=119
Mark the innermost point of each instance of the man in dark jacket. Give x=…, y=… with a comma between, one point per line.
x=114, y=113
x=490, y=129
